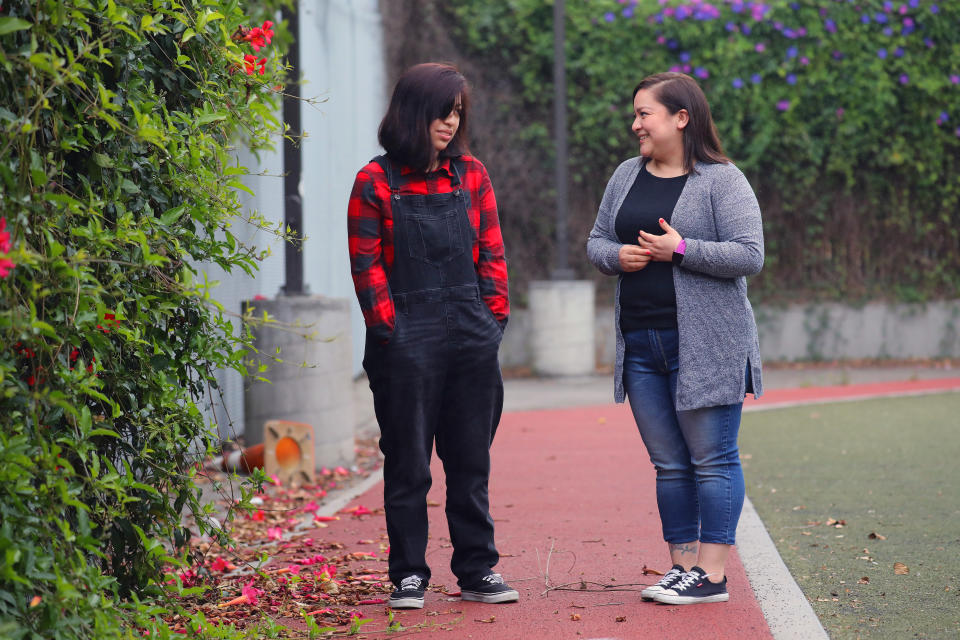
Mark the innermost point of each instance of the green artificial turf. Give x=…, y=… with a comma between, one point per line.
x=887, y=468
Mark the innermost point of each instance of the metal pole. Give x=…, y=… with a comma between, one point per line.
x=561, y=270
x=293, y=164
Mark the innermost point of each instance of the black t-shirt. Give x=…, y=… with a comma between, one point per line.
x=647, y=297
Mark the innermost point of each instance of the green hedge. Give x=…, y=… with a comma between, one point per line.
x=842, y=114
x=118, y=179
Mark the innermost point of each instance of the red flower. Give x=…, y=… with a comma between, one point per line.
x=259, y=37
x=6, y=266
x=251, y=64
x=109, y=318
x=31, y=381
x=256, y=39
x=74, y=355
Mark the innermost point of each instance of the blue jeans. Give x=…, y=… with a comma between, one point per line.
x=699, y=479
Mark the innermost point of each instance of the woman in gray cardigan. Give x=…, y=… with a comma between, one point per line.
x=680, y=227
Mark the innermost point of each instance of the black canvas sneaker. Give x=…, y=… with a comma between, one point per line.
x=409, y=593
x=490, y=589
x=693, y=587
x=669, y=579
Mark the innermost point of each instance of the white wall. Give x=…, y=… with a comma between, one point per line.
x=342, y=63
x=342, y=57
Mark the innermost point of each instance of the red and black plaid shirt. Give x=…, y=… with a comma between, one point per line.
x=370, y=228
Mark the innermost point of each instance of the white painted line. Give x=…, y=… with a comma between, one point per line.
x=786, y=609
x=855, y=398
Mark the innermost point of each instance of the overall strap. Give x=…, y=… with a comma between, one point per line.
x=458, y=168
x=388, y=168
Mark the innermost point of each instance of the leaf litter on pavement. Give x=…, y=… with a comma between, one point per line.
x=283, y=566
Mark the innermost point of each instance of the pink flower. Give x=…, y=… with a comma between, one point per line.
x=251, y=593
x=4, y=236
x=6, y=266
x=220, y=564
x=274, y=533
x=310, y=506
x=258, y=515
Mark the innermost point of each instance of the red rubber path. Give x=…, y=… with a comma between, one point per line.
x=572, y=495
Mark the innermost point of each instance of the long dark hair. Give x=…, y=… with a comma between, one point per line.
x=678, y=91
x=424, y=93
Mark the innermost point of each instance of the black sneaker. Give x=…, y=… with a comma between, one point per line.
x=409, y=593
x=669, y=579
x=490, y=589
x=693, y=587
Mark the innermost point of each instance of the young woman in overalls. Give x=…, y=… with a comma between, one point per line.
x=429, y=270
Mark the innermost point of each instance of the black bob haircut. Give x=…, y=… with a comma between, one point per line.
x=424, y=93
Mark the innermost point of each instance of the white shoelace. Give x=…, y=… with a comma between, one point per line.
x=668, y=577
x=493, y=578
x=410, y=582
x=688, y=579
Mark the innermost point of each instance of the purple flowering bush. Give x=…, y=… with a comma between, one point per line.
x=842, y=113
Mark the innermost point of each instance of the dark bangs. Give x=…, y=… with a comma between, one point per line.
x=424, y=93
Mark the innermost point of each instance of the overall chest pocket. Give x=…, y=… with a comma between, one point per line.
x=436, y=238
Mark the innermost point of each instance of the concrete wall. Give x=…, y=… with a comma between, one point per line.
x=802, y=332
x=314, y=382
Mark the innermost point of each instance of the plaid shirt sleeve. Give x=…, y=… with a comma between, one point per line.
x=370, y=240
x=488, y=254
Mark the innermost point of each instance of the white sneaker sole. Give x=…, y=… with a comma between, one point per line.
x=406, y=603
x=650, y=592
x=490, y=598
x=667, y=598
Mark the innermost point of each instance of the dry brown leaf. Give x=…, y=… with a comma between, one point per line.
x=805, y=533
x=647, y=571
x=864, y=580
x=876, y=536
x=433, y=503
x=489, y=620
x=624, y=618
x=574, y=616
x=900, y=569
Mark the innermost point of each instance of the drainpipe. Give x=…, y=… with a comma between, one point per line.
x=293, y=164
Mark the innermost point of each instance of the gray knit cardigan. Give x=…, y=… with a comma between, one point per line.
x=719, y=217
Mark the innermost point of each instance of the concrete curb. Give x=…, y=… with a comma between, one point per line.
x=787, y=611
x=333, y=506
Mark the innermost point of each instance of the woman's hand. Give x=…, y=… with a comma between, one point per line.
x=633, y=258
x=659, y=248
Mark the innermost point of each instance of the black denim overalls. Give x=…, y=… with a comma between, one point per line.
x=436, y=378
